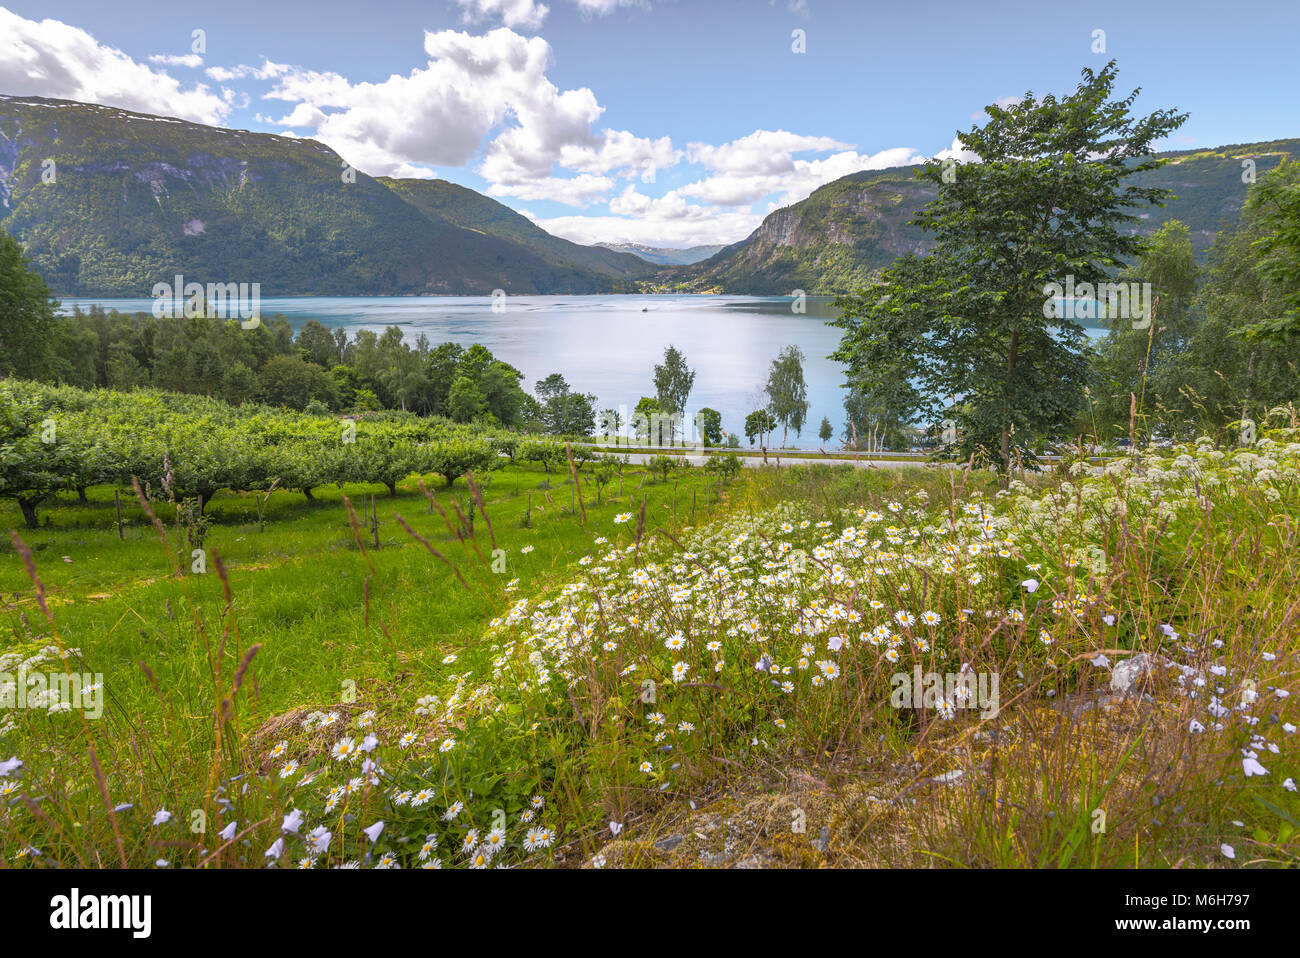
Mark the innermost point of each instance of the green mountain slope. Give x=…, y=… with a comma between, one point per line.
x=110, y=202
x=464, y=207
x=832, y=241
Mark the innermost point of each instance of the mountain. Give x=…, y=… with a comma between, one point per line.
x=665, y=255
x=450, y=202
x=832, y=241
x=110, y=202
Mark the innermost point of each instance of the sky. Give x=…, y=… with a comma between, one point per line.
x=662, y=122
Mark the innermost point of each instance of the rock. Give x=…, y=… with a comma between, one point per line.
x=1126, y=678
x=669, y=843
x=822, y=840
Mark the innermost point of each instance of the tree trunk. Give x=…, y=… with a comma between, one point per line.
x=28, y=507
x=1006, y=415
x=392, y=488
x=310, y=497
x=81, y=493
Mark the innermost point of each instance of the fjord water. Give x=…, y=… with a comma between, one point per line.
x=608, y=345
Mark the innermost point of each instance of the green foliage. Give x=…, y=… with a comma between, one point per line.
x=710, y=426
x=193, y=447
x=758, y=424
x=1049, y=198
x=27, y=320
x=1274, y=209
x=673, y=382
x=787, y=391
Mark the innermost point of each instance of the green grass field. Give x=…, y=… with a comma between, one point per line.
x=555, y=683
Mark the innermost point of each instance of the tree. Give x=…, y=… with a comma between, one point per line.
x=441, y=369
x=673, y=384
x=1144, y=361
x=787, y=392
x=826, y=430
x=1044, y=204
x=1274, y=205
x=609, y=423
x=565, y=413
x=455, y=458
x=710, y=426
x=757, y=425
x=871, y=420
x=317, y=345
x=288, y=381
x=27, y=317
x=645, y=417
x=240, y=385
x=466, y=403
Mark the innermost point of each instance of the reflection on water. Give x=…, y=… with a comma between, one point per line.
x=608, y=345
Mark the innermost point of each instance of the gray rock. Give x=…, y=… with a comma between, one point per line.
x=669, y=843
x=1127, y=676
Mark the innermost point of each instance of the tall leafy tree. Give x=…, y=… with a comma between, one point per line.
x=1144, y=361
x=1274, y=205
x=787, y=391
x=757, y=425
x=673, y=384
x=27, y=318
x=1045, y=199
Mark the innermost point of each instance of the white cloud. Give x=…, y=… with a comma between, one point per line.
x=582, y=190
x=530, y=14
x=958, y=153
x=50, y=58
x=267, y=71
x=601, y=8
x=635, y=155
x=191, y=60
x=513, y=13
x=668, y=220
x=763, y=163
x=479, y=97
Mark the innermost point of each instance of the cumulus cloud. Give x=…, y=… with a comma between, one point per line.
x=513, y=13
x=191, y=60
x=50, y=58
x=580, y=190
x=602, y=8
x=764, y=163
x=530, y=14
x=958, y=153
x=668, y=220
x=479, y=98
x=267, y=71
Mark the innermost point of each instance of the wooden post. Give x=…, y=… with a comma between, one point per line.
x=117, y=502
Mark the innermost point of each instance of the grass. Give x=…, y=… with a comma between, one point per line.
x=537, y=703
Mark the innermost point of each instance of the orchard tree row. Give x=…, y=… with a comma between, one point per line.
x=57, y=439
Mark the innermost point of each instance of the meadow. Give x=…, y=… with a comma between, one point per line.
x=699, y=669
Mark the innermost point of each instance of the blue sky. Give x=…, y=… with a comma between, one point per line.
x=660, y=121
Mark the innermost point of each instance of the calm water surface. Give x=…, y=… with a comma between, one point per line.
x=608, y=345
